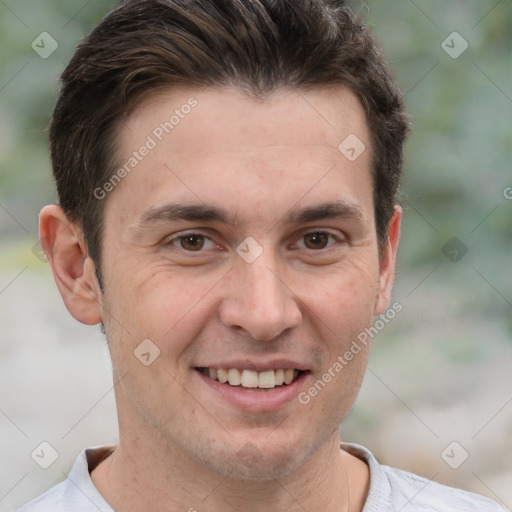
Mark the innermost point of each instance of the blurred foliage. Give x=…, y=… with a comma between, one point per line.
x=458, y=157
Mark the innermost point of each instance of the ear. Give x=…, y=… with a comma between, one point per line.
x=388, y=261
x=73, y=269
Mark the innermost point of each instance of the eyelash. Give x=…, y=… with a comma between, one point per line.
x=182, y=236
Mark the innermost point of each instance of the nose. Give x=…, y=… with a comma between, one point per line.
x=258, y=301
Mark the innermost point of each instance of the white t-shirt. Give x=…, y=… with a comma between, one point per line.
x=391, y=490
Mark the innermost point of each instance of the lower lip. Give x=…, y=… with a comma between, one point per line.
x=256, y=401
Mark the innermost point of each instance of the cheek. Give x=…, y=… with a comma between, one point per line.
x=345, y=297
x=167, y=307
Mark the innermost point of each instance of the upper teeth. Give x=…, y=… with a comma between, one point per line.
x=252, y=379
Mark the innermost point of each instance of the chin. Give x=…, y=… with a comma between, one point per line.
x=253, y=462
x=262, y=469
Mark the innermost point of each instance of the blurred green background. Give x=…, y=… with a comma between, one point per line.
x=440, y=371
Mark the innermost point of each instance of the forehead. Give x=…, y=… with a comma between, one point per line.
x=220, y=145
x=322, y=116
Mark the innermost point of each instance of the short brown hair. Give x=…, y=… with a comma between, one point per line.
x=258, y=46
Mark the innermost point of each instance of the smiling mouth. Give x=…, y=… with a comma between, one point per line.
x=252, y=380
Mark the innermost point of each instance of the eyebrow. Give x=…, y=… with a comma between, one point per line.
x=206, y=213
x=188, y=212
x=329, y=210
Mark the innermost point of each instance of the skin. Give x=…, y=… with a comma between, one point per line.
x=182, y=446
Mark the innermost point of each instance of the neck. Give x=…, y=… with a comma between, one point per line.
x=167, y=480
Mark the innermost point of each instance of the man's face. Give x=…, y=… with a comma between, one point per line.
x=180, y=270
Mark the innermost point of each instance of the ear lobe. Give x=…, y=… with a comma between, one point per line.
x=387, y=262
x=73, y=269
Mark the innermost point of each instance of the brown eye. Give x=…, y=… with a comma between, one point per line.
x=192, y=242
x=316, y=240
